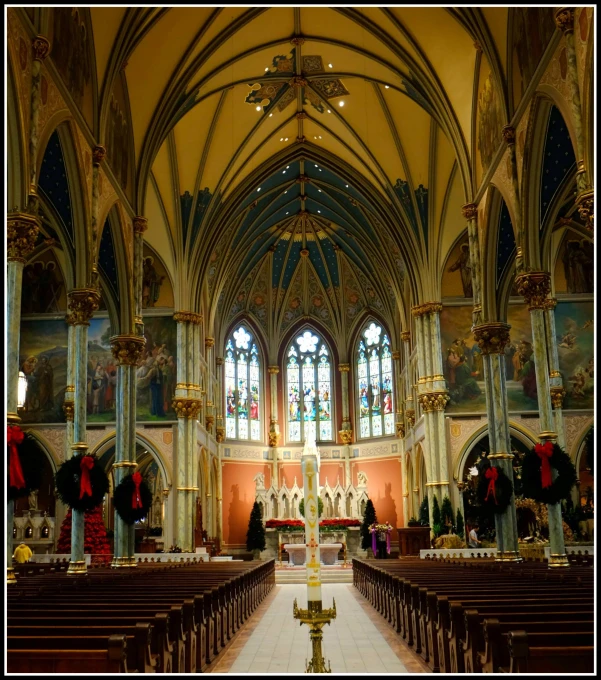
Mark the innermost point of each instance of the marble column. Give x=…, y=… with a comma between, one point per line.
x=274, y=427
x=209, y=416
x=98, y=156
x=557, y=389
x=492, y=338
x=220, y=429
x=21, y=234
x=127, y=350
x=346, y=431
x=83, y=302
x=470, y=213
x=398, y=400
x=140, y=225
x=409, y=412
x=535, y=287
x=41, y=49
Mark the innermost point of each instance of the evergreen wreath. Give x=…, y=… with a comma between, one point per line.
x=132, y=506
x=78, y=490
x=494, y=487
x=30, y=461
x=537, y=481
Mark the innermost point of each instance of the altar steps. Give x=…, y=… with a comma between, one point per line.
x=296, y=575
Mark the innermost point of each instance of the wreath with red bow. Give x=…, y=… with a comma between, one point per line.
x=537, y=474
x=25, y=463
x=132, y=498
x=81, y=482
x=495, y=489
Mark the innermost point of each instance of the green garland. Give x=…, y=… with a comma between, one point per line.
x=122, y=500
x=68, y=480
x=498, y=502
x=301, y=507
x=32, y=461
x=561, y=486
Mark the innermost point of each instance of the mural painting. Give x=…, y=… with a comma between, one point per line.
x=531, y=29
x=462, y=361
x=490, y=119
x=574, y=268
x=102, y=373
x=156, y=287
x=43, y=360
x=457, y=277
x=519, y=361
x=574, y=323
x=43, y=288
x=157, y=372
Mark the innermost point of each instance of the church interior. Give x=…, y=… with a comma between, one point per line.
x=237, y=236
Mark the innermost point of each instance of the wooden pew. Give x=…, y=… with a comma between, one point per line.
x=550, y=652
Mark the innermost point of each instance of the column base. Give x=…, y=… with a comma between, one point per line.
x=11, y=579
x=77, y=568
x=508, y=556
x=123, y=563
x=558, y=560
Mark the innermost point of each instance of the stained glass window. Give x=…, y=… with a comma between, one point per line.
x=374, y=383
x=309, y=383
x=242, y=386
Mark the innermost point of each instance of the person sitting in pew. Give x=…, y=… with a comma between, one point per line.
x=22, y=553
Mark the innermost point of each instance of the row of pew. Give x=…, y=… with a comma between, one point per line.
x=167, y=618
x=479, y=616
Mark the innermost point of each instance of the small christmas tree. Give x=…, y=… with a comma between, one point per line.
x=460, y=528
x=255, y=536
x=436, y=518
x=94, y=533
x=424, y=512
x=369, y=518
x=447, y=512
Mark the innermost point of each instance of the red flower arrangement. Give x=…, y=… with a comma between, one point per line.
x=95, y=540
x=294, y=524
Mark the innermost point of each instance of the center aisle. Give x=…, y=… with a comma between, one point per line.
x=353, y=642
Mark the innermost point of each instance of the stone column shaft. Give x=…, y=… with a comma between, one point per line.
x=209, y=416
x=470, y=213
x=557, y=390
x=41, y=48
x=140, y=224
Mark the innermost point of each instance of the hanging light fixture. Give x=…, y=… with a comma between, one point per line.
x=21, y=390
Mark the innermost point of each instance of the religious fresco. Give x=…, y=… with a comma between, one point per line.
x=43, y=359
x=489, y=119
x=574, y=324
x=43, y=288
x=71, y=53
x=102, y=373
x=156, y=285
x=531, y=29
x=157, y=372
x=457, y=276
x=574, y=267
x=519, y=361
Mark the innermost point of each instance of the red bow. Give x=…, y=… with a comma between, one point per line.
x=14, y=437
x=87, y=463
x=544, y=452
x=136, y=500
x=493, y=474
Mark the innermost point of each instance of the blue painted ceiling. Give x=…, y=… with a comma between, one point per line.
x=54, y=183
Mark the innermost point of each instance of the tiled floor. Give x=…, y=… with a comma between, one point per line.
x=355, y=642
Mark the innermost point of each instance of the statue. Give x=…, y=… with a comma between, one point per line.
x=361, y=478
x=33, y=500
x=259, y=480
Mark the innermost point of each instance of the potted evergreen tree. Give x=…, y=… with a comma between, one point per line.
x=369, y=518
x=446, y=512
x=255, y=536
x=436, y=518
x=424, y=513
x=459, y=526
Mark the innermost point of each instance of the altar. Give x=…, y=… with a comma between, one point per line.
x=298, y=552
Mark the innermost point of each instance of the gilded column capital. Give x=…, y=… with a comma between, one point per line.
x=220, y=434
x=41, y=47
x=564, y=19
x=140, y=224
x=406, y=336
x=98, y=154
x=82, y=303
x=396, y=355
x=187, y=408
x=550, y=303
x=273, y=370
x=274, y=438
x=69, y=410
x=187, y=317
x=492, y=338
x=416, y=310
x=127, y=349
x=344, y=368
x=22, y=232
x=586, y=208
x=534, y=287
x=469, y=211
x=508, y=133
x=209, y=422
x=209, y=342
x=346, y=436
x=219, y=361
x=400, y=430
x=557, y=395
x=433, y=307
x=434, y=401
x=410, y=415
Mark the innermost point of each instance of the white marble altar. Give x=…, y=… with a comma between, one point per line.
x=297, y=551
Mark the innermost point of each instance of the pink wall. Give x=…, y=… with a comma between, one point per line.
x=384, y=487
x=331, y=470
x=287, y=473
x=239, y=496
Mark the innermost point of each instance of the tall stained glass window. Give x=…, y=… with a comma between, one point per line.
x=309, y=381
x=374, y=381
x=242, y=386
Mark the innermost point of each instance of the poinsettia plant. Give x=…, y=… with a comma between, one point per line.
x=298, y=525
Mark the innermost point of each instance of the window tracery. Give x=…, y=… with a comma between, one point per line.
x=242, y=386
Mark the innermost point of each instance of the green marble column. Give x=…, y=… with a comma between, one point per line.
x=209, y=415
x=346, y=432
x=556, y=384
x=535, y=287
x=21, y=234
x=274, y=427
x=492, y=338
x=127, y=350
x=83, y=302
